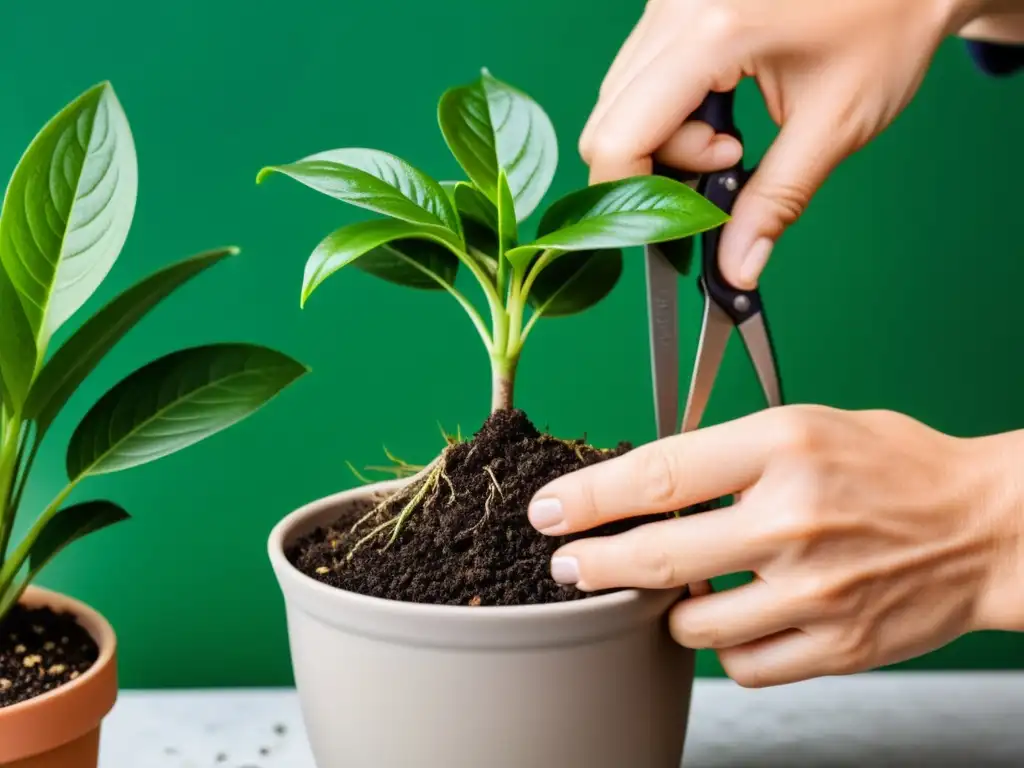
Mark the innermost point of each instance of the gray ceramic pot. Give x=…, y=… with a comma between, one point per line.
x=594, y=683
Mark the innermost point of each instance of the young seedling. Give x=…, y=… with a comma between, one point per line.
x=66, y=215
x=506, y=145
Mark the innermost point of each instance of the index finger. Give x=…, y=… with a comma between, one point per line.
x=659, y=477
x=631, y=124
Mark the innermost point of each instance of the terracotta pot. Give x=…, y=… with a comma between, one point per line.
x=61, y=729
x=594, y=683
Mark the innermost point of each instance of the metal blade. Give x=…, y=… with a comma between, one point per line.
x=663, y=317
x=755, y=336
x=714, y=336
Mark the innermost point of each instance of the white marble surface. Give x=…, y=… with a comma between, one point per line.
x=878, y=720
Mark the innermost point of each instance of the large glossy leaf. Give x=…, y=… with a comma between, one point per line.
x=491, y=126
x=472, y=204
x=575, y=282
x=81, y=353
x=69, y=525
x=17, y=347
x=68, y=209
x=379, y=182
x=621, y=214
x=174, y=402
x=387, y=248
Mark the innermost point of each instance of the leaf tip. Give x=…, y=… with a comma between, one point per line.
x=264, y=172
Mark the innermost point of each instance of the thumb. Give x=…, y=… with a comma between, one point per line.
x=805, y=152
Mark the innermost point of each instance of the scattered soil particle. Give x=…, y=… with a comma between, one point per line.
x=468, y=542
x=41, y=650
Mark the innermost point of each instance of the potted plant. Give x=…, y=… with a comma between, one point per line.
x=66, y=215
x=425, y=628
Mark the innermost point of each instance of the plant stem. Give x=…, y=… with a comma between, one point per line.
x=9, y=455
x=10, y=569
x=503, y=376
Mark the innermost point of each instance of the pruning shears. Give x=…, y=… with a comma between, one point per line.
x=725, y=306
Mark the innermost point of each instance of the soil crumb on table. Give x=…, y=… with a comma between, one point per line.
x=469, y=541
x=41, y=650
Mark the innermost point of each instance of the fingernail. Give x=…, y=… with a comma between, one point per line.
x=754, y=262
x=565, y=570
x=545, y=514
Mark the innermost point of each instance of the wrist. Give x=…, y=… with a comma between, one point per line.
x=997, y=498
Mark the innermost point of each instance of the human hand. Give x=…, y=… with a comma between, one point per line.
x=872, y=537
x=833, y=75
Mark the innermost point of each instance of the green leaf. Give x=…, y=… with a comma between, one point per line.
x=69, y=525
x=679, y=253
x=621, y=214
x=68, y=209
x=81, y=353
x=378, y=182
x=575, y=282
x=17, y=347
x=472, y=204
x=490, y=126
x=386, y=248
x=176, y=401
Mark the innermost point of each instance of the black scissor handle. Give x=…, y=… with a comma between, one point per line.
x=722, y=189
x=717, y=111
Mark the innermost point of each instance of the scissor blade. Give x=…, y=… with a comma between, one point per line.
x=755, y=336
x=714, y=336
x=663, y=316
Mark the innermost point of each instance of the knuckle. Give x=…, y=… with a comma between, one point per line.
x=607, y=147
x=699, y=634
x=657, y=564
x=795, y=430
x=719, y=22
x=588, y=511
x=854, y=649
x=659, y=477
x=816, y=595
x=743, y=669
x=788, y=198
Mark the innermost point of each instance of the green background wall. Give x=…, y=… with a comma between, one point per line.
x=900, y=289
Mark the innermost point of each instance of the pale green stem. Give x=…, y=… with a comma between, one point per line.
x=520, y=293
x=546, y=257
x=10, y=453
x=13, y=566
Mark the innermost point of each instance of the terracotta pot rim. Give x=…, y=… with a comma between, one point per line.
x=285, y=531
x=49, y=722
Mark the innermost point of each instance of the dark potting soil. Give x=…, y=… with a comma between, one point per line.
x=41, y=650
x=469, y=541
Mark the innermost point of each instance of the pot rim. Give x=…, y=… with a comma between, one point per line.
x=283, y=531
x=57, y=717
x=92, y=621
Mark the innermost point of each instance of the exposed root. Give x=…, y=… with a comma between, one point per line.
x=428, y=484
x=497, y=485
x=451, y=488
x=370, y=536
x=494, y=489
x=422, y=492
